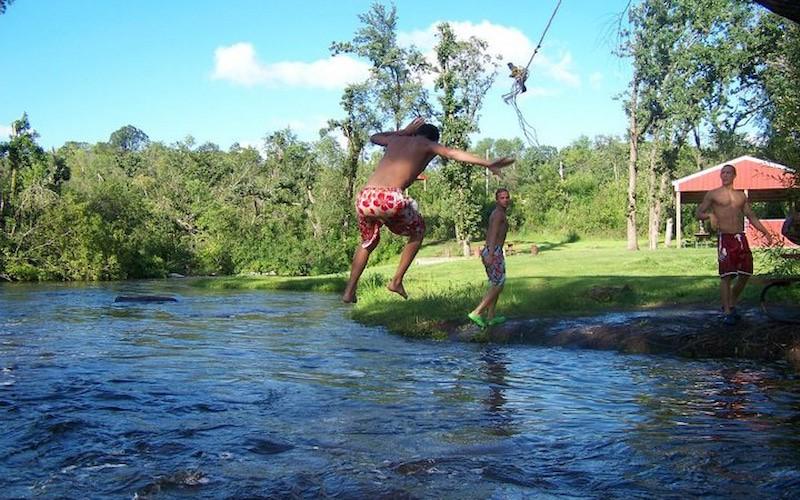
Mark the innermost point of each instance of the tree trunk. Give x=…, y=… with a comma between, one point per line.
x=351, y=171
x=668, y=233
x=653, y=207
x=661, y=196
x=698, y=153
x=654, y=224
x=633, y=139
x=466, y=247
x=662, y=192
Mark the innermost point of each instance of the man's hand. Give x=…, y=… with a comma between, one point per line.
x=713, y=220
x=412, y=127
x=498, y=164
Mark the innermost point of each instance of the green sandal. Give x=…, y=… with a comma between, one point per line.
x=497, y=320
x=477, y=320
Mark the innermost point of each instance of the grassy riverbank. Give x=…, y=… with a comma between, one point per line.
x=582, y=277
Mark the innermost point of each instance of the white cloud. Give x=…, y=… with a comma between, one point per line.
x=5, y=131
x=239, y=64
x=510, y=44
x=562, y=72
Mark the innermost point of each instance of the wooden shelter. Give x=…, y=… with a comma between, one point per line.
x=761, y=180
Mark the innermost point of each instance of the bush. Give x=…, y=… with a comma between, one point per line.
x=23, y=271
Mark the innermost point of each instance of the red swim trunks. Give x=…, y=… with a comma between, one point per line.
x=734, y=255
x=378, y=206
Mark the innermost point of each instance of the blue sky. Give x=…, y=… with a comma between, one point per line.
x=238, y=70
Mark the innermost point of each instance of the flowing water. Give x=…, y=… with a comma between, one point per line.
x=279, y=395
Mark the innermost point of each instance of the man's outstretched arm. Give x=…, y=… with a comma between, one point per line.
x=755, y=221
x=465, y=157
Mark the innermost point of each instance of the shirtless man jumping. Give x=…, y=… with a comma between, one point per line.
x=728, y=207
x=382, y=201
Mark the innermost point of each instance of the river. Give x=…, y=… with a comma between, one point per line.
x=242, y=394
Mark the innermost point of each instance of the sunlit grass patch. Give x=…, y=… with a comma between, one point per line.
x=327, y=283
x=564, y=279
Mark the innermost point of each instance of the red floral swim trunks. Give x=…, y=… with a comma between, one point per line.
x=378, y=206
x=496, y=271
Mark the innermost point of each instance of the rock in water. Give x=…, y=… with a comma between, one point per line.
x=144, y=298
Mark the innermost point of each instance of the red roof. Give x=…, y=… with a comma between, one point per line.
x=763, y=180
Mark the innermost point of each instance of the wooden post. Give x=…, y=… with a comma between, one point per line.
x=486, y=173
x=668, y=233
x=678, y=235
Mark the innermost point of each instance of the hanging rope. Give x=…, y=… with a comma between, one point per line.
x=520, y=75
x=546, y=28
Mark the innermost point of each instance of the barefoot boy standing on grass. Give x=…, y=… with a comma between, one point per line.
x=383, y=201
x=494, y=261
x=727, y=208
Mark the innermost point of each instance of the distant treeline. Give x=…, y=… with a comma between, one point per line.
x=131, y=208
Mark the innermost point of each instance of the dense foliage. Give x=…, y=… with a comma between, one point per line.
x=132, y=207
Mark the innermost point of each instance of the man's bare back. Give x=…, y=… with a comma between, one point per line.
x=407, y=154
x=405, y=157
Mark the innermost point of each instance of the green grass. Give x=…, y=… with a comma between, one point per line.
x=564, y=279
x=326, y=283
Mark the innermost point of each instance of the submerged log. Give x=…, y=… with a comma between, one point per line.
x=682, y=332
x=144, y=298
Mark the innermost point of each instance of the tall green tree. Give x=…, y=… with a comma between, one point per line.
x=779, y=117
x=465, y=72
x=128, y=142
x=392, y=92
x=129, y=138
x=694, y=63
x=360, y=118
x=395, y=72
x=18, y=154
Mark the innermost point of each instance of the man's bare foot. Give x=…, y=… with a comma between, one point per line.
x=349, y=298
x=398, y=289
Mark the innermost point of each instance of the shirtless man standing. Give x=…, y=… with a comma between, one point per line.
x=382, y=201
x=727, y=207
x=494, y=261
x=791, y=226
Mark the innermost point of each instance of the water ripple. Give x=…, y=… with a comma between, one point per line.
x=279, y=395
